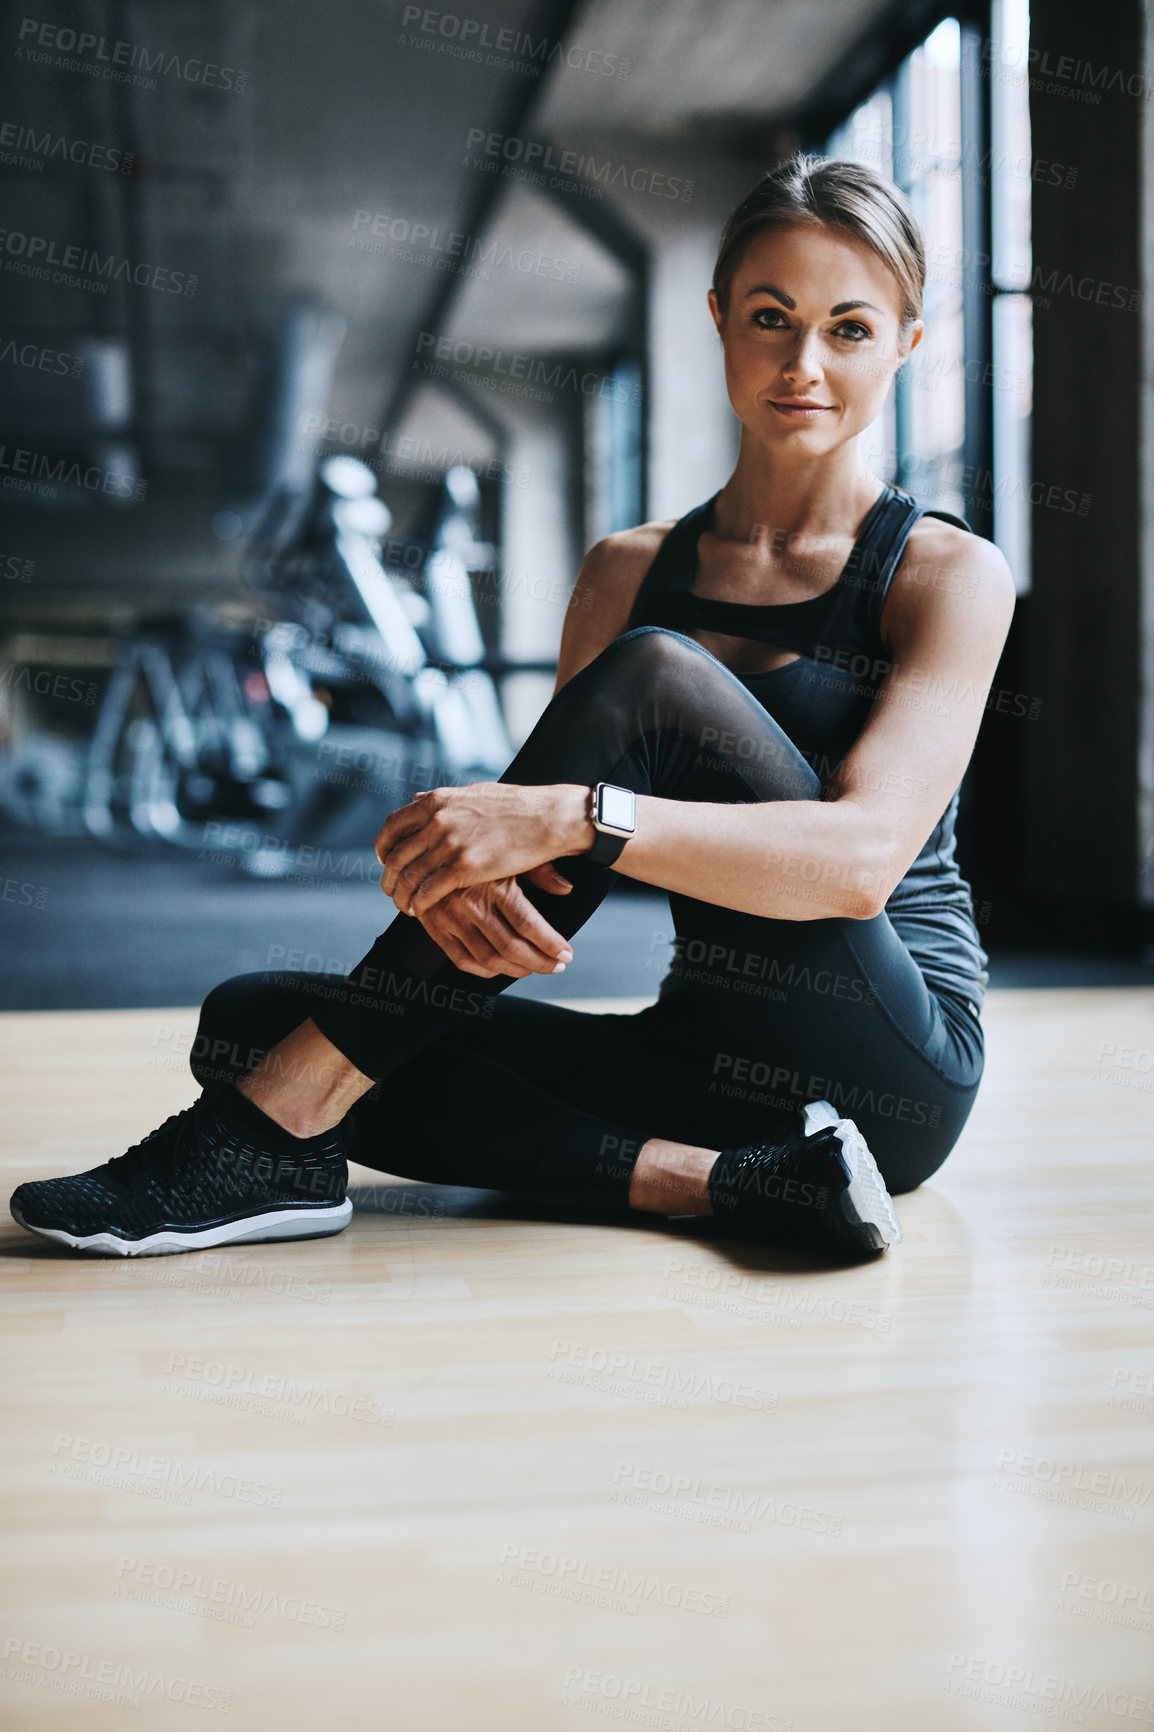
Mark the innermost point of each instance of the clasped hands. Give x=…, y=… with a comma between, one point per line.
x=452, y=857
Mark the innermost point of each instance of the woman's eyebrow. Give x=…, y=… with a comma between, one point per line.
x=788, y=301
x=778, y=294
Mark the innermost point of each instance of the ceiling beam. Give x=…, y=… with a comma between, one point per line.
x=548, y=18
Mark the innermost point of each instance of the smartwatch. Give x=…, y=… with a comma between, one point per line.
x=614, y=814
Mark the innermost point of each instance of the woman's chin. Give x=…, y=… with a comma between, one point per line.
x=774, y=432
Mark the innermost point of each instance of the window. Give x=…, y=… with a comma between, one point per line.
x=956, y=429
x=613, y=455
x=1011, y=176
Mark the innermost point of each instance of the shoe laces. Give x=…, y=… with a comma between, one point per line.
x=157, y=1156
x=773, y=1156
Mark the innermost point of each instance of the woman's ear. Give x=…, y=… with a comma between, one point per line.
x=715, y=310
x=916, y=332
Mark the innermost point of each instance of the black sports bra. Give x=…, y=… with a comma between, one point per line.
x=848, y=614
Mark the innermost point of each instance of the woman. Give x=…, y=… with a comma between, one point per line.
x=773, y=700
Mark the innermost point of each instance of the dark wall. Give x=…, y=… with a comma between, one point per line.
x=1080, y=653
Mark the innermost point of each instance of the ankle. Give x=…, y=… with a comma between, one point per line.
x=304, y=1083
x=301, y=1119
x=672, y=1178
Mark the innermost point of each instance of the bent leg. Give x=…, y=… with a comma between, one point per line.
x=541, y=1096
x=790, y=1012
x=654, y=712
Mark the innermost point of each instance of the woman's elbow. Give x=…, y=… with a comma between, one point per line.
x=870, y=883
x=844, y=896
x=858, y=902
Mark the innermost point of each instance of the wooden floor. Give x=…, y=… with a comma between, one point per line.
x=454, y=1470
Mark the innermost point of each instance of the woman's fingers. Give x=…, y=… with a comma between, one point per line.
x=489, y=928
x=398, y=824
x=516, y=955
x=424, y=884
x=453, y=947
x=453, y=837
x=408, y=860
x=485, y=956
x=424, y=867
x=547, y=877
x=499, y=931
x=529, y=924
x=464, y=944
x=492, y=941
x=478, y=940
x=510, y=954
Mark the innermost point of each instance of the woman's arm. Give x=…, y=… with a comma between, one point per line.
x=946, y=617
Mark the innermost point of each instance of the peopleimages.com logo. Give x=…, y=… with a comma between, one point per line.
x=537, y=157
x=120, y=61
x=122, y=1683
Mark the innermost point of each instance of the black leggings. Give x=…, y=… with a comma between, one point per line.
x=763, y=1015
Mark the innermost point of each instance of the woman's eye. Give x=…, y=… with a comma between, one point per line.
x=852, y=330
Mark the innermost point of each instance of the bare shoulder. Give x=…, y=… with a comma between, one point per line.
x=620, y=561
x=604, y=593
x=949, y=574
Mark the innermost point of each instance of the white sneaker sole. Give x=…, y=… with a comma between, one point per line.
x=866, y=1202
x=251, y=1230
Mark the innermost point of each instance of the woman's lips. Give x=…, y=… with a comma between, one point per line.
x=800, y=411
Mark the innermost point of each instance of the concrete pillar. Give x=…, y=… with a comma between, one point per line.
x=541, y=544
x=692, y=431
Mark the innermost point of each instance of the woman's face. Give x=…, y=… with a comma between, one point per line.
x=813, y=316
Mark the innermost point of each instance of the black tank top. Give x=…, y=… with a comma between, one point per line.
x=822, y=700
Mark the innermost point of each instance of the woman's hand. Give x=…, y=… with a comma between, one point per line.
x=490, y=929
x=451, y=838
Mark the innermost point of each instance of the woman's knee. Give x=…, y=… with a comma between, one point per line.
x=638, y=680
x=905, y=1170
x=654, y=650
x=651, y=682
x=909, y=1153
x=689, y=686
x=244, y=1016
x=221, y=1051
x=642, y=662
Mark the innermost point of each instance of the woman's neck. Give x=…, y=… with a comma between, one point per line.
x=808, y=500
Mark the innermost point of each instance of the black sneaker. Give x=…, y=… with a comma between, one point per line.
x=218, y=1173
x=819, y=1189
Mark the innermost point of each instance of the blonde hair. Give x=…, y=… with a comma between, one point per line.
x=846, y=196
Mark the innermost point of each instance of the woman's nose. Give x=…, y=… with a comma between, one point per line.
x=805, y=361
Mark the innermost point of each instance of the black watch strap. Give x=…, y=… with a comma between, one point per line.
x=606, y=848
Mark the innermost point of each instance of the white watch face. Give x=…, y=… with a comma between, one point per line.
x=618, y=806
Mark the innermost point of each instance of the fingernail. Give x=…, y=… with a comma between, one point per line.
x=560, y=968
